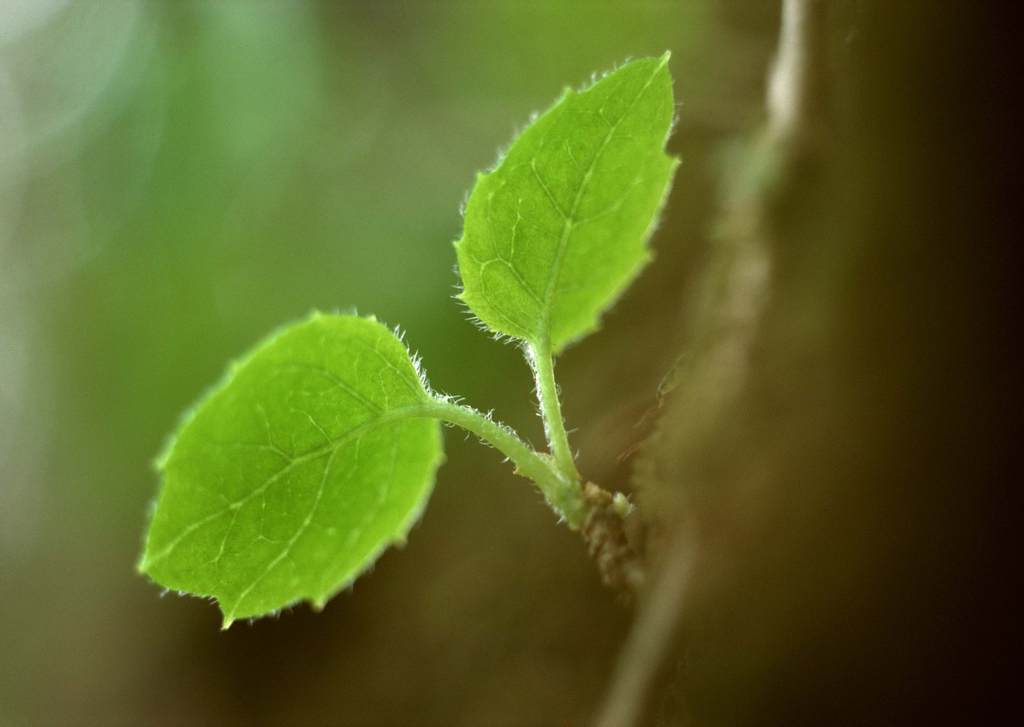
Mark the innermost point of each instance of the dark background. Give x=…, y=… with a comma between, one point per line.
x=177, y=178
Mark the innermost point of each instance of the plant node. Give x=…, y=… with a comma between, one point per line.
x=608, y=544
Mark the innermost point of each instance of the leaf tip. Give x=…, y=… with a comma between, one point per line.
x=226, y=623
x=318, y=603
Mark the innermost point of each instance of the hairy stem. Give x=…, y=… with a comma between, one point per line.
x=543, y=365
x=562, y=493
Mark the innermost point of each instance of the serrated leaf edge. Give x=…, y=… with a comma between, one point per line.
x=398, y=539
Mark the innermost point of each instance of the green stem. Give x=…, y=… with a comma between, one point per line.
x=543, y=365
x=562, y=493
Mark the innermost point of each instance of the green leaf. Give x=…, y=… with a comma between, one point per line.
x=559, y=229
x=292, y=476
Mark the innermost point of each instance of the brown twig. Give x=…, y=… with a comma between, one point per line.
x=738, y=296
x=649, y=642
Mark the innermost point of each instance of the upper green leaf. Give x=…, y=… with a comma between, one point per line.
x=557, y=231
x=292, y=475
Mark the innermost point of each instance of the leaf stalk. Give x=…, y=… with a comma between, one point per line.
x=542, y=362
x=563, y=493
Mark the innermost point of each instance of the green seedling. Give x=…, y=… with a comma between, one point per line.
x=319, y=448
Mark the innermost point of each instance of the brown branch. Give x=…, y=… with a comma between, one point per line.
x=737, y=295
x=649, y=642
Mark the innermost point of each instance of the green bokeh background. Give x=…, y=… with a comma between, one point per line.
x=176, y=179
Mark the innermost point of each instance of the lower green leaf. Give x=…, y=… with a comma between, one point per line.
x=291, y=477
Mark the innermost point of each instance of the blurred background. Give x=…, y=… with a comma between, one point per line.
x=179, y=177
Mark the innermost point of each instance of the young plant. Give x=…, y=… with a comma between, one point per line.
x=319, y=448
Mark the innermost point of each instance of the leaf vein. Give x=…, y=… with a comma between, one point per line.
x=543, y=333
x=303, y=526
x=393, y=415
